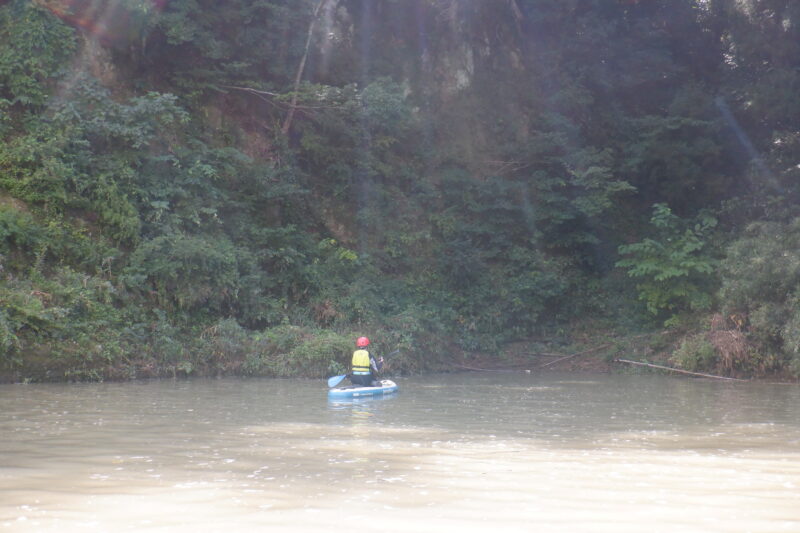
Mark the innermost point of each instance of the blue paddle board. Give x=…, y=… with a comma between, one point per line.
x=387, y=387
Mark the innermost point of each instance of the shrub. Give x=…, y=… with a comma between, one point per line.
x=321, y=354
x=185, y=272
x=9, y=342
x=35, y=48
x=695, y=353
x=762, y=267
x=761, y=290
x=286, y=350
x=791, y=337
x=225, y=346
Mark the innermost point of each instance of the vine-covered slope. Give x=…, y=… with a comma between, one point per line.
x=198, y=187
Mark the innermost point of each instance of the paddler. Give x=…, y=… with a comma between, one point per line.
x=365, y=367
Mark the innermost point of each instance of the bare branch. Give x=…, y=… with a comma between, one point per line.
x=260, y=94
x=516, y=10
x=249, y=90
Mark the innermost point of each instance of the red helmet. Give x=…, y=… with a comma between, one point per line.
x=362, y=342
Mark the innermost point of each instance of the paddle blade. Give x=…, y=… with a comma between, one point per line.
x=335, y=380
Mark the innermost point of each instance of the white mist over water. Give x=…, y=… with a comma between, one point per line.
x=473, y=452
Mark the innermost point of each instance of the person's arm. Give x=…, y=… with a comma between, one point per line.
x=377, y=364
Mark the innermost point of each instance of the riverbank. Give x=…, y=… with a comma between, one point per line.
x=295, y=352
x=660, y=352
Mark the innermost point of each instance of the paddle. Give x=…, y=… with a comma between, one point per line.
x=388, y=355
x=335, y=380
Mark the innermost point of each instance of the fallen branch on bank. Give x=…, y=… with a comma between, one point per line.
x=671, y=369
x=542, y=354
x=474, y=369
x=590, y=350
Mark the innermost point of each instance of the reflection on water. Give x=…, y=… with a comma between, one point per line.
x=518, y=453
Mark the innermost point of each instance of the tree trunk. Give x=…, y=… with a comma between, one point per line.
x=287, y=123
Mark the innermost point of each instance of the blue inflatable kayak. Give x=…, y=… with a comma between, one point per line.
x=387, y=387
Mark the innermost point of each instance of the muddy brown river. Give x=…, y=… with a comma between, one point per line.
x=470, y=452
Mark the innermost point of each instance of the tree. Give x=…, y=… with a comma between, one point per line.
x=676, y=264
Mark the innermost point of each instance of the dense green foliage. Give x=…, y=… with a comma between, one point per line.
x=196, y=187
x=676, y=268
x=761, y=290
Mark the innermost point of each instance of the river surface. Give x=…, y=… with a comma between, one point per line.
x=470, y=452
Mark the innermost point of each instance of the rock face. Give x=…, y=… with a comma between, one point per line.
x=438, y=46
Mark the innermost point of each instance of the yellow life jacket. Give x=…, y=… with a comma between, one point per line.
x=361, y=363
